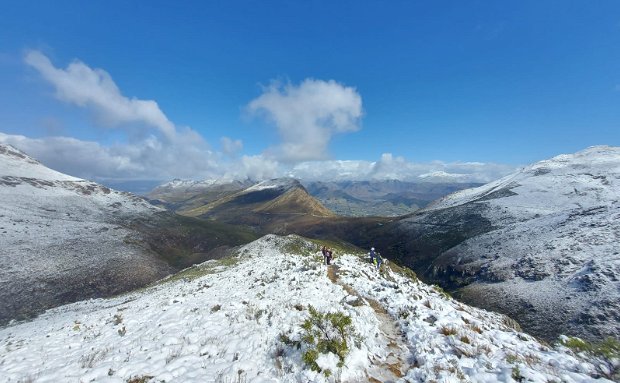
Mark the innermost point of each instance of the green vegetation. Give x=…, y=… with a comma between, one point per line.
x=516, y=374
x=339, y=247
x=216, y=308
x=441, y=291
x=299, y=245
x=325, y=333
x=402, y=270
x=184, y=241
x=607, y=352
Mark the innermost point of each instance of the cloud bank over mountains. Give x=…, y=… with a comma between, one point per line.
x=306, y=117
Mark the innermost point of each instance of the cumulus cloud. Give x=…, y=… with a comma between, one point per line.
x=231, y=147
x=308, y=115
x=256, y=168
x=164, y=151
x=94, y=88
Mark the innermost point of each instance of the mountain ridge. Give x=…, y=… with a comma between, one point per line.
x=245, y=318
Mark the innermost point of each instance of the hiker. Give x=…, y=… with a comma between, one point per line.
x=330, y=255
x=378, y=260
x=325, y=250
x=372, y=255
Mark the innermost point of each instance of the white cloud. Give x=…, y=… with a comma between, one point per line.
x=152, y=160
x=148, y=159
x=308, y=115
x=166, y=151
x=94, y=88
x=256, y=168
x=231, y=147
x=397, y=168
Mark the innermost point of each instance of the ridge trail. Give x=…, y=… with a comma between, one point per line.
x=393, y=366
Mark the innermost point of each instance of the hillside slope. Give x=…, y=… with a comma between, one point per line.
x=64, y=239
x=186, y=194
x=542, y=245
x=266, y=206
x=244, y=319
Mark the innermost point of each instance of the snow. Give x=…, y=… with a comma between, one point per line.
x=441, y=175
x=15, y=163
x=277, y=183
x=565, y=181
x=58, y=229
x=222, y=320
x=552, y=253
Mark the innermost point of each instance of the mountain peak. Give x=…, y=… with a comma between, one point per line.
x=15, y=163
x=282, y=184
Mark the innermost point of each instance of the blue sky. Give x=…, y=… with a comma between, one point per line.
x=449, y=81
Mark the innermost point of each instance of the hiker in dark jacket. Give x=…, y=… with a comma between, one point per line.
x=379, y=260
x=372, y=255
x=325, y=250
x=330, y=255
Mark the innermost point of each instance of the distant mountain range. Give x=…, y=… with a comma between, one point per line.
x=64, y=239
x=346, y=198
x=380, y=198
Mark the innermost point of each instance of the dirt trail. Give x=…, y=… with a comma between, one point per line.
x=395, y=364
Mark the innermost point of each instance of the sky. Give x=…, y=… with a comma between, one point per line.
x=469, y=91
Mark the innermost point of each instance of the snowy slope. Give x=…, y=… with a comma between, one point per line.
x=222, y=321
x=568, y=181
x=543, y=244
x=62, y=237
x=16, y=163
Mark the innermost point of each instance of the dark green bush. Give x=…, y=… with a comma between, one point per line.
x=325, y=333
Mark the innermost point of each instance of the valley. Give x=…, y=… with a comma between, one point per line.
x=539, y=246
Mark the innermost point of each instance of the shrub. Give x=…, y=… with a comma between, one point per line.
x=325, y=333
x=441, y=291
x=606, y=352
x=446, y=330
x=516, y=374
x=139, y=379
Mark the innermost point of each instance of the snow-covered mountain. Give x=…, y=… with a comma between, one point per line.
x=63, y=238
x=248, y=319
x=542, y=244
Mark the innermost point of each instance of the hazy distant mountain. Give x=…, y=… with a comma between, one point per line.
x=63, y=238
x=542, y=244
x=258, y=317
x=380, y=198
